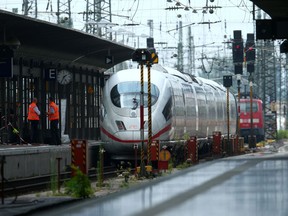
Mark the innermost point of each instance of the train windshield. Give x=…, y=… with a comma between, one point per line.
x=245, y=106
x=127, y=94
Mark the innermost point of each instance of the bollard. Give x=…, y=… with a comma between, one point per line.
x=164, y=157
x=217, y=149
x=79, y=150
x=241, y=145
x=192, y=149
x=236, y=144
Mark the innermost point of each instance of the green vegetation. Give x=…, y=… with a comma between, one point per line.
x=184, y=165
x=170, y=165
x=282, y=134
x=186, y=136
x=124, y=184
x=78, y=186
x=124, y=170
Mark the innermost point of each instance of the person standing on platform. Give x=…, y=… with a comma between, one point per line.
x=53, y=116
x=33, y=118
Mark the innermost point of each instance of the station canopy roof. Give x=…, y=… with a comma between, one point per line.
x=49, y=42
x=276, y=9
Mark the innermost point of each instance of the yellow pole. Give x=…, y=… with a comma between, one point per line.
x=142, y=165
x=149, y=116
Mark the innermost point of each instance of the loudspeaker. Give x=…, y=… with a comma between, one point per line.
x=264, y=29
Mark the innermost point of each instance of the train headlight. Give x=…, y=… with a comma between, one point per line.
x=103, y=112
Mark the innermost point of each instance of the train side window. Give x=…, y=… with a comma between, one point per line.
x=167, y=112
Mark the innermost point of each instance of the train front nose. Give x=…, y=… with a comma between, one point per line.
x=124, y=147
x=129, y=137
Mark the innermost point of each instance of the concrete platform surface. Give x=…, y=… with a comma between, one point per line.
x=253, y=184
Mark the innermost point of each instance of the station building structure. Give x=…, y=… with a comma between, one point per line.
x=40, y=59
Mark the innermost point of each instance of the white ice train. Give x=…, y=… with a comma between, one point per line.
x=181, y=105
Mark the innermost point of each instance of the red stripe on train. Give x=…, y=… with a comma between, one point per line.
x=111, y=136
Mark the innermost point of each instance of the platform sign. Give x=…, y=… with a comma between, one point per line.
x=6, y=67
x=154, y=58
x=50, y=74
x=109, y=59
x=164, y=155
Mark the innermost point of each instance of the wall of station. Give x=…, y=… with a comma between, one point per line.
x=79, y=99
x=26, y=162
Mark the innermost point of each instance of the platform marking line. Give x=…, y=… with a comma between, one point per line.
x=183, y=197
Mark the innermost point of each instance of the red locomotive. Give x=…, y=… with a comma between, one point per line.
x=257, y=119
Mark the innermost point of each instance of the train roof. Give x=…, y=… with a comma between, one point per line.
x=184, y=76
x=189, y=77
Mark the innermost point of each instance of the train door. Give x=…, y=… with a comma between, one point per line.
x=178, y=109
x=202, y=110
x=190, y=109
x=211, y=110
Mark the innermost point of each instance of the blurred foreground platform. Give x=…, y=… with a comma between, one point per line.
x=252, y=184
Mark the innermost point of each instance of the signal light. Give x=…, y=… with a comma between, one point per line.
x=141, y=55
x=250, y=48
x=145, y=56
x=250, y=53
x=227, y=81
x=237, y=47
x=238, y=56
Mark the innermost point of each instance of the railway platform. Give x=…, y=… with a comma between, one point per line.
x=25, y=161
x=251, y=184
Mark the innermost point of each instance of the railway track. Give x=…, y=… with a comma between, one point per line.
x=15, y=188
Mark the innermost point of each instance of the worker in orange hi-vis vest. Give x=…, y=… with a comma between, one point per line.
x=53, y=116
x=33, y=118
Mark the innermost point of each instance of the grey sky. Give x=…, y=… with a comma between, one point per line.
x=227, y=16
